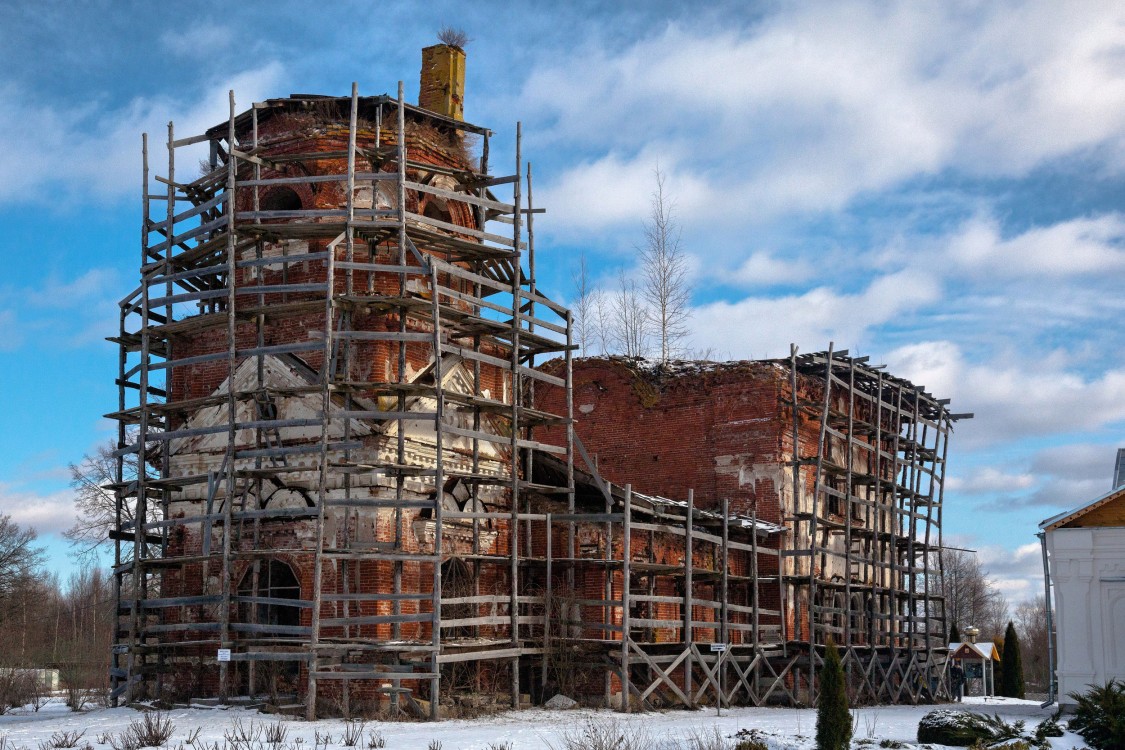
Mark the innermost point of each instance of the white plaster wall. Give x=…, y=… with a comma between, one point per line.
x=1088, y=572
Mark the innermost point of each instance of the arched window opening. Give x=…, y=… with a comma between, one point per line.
x=437, y=210
x=857, y=621
x=276, y=581
x=457, y=583
x=280, y=199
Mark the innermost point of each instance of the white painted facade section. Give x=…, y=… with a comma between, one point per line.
x=1088, y=573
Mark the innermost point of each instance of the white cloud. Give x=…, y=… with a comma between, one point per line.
x=818, y=103
x=617, y=189
x=764, y=269
x=103, y=146
x=990, y=480
x=764, y=326
x=1018, y=573
x=1070, y=475
x=200, y=42
x=47, y=513
x=1094, y=245
x=1013, y=397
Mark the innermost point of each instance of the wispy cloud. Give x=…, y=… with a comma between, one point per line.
x=1014, y=396
x=47, y=513
x=202, y=40
x=831, y=101
x=74, y=312
x=103, y=145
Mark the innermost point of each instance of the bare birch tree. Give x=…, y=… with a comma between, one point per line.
x=1031, y=621
x=664, y=267
x=603, y=322
x=584, y=318
x=632, y=322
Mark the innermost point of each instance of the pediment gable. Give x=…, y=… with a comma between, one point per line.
x=1105, y=511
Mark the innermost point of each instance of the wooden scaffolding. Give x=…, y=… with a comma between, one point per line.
x=864, y=566
x=287, y=522
x=459, y=292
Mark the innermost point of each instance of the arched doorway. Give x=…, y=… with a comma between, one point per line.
x=263, y=607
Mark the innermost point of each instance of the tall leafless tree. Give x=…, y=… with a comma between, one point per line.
x=1031, y=622
x=664, y=267
x=584, y=318
x=603, y=323
x=632, y=321
x=96, y=507
x=19, y=557
x=971, y=597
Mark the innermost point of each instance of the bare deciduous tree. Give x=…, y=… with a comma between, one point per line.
x=19, y=557
x=603, y=322
x=971, y=598
x=1031, y=622
x=632, y=323
x=664, y=265
x=584, y=318
x=96, y=507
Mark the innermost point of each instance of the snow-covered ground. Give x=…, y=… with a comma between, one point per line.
x=780, y=728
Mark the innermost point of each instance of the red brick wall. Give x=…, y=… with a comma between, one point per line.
x=703, y=432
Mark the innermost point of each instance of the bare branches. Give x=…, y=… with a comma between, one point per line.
x=971, y=598
x=664, y=266
x=648, y=309
x=584, y=321
x=96, y=507
x=632, y=323
x=18, y=557
x=453, y=36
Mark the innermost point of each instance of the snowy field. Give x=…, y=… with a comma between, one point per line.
x=779, y=728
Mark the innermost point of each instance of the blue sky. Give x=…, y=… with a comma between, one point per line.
x=938, y=185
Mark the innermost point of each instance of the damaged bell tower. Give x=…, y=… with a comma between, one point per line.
x=321, y=373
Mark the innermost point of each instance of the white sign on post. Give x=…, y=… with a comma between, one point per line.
x=718, y=648
x=224, y=654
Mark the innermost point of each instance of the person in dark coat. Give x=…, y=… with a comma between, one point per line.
x=957, y=680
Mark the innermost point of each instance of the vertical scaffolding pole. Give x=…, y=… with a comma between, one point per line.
x=232, y=403
x=814, y=517
x=400, y=378
x=140, y=513
x=724, y=612
x=517, y=273
x=626, y=559
x=439, y=483
x=689, y=640
x=326, y=376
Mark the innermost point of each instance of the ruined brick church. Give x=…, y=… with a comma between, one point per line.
x=377, y=477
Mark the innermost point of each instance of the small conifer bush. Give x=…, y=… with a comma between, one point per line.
x=1099, y=716
x=1011, y=665
x=833, y=720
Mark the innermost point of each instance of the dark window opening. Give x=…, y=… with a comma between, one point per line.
x=275, y=581
x=433, y=211
x=280, y=199
x=456, y=583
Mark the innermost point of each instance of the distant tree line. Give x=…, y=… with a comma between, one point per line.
x=49, y=623
x=972, y=599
